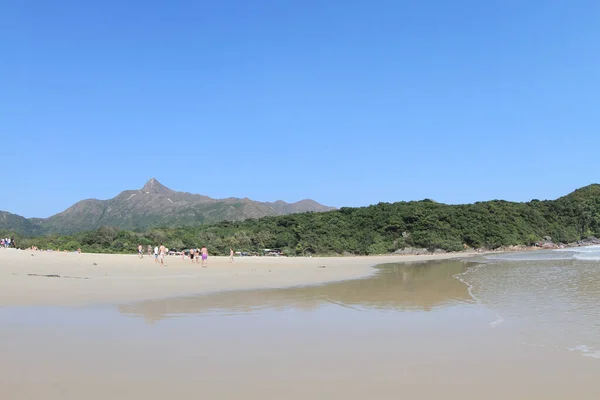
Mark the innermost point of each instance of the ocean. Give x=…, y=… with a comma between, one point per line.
x=552, y=298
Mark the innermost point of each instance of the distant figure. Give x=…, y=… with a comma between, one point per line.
x=192, y=254
x=204, y=252
x=149, y=251
x=79, y=250
x=161, y=254
x=156, y=254
x=197, y=255
x=140, y=252
x=230, y=255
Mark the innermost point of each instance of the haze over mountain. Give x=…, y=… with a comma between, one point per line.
x=151, y=206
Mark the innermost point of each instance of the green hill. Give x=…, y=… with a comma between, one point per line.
x=151, y=206
x=381, y=228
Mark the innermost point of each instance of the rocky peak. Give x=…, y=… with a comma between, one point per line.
x=154, y=186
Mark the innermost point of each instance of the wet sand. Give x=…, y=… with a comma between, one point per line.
x=409, y=331
x=30, y=278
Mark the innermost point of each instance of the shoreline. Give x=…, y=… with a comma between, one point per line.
x=69, y=279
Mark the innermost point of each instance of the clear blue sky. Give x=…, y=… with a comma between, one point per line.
x=346, y=102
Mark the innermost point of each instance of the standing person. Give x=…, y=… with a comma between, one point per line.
x=230, y=255
x=162, y=251
x=204, y=252
x=12, y=240
x=149, y=251
x=155, y=254
x=141, y=254
x=197, y=255
x=192, y=253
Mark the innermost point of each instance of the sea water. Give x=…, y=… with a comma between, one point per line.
x=549, y=298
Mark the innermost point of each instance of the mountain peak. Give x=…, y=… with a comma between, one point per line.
x=154, y=186
x=154, y=205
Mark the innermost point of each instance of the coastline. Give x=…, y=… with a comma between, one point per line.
x=69, y=279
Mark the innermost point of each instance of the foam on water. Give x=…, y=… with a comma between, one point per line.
x=587, y=258
x=529, y=256
x=585, y=249
x=586, y=351
x=463, y=277
x=552, y=296
x=499, y=320
x=587, y=253
x=469, y=286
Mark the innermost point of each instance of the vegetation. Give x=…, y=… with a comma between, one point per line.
x=377, y=229
x=154, y=205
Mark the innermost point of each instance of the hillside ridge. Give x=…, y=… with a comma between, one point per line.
x=153, y=205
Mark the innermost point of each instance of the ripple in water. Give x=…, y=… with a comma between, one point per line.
x=552, y=298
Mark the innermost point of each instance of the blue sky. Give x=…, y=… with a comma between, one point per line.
x=346, y=102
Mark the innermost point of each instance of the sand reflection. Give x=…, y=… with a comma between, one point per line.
x=414, y=286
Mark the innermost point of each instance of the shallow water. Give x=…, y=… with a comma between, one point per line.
x=395, y=287
x=452, y=330
x=551, y=298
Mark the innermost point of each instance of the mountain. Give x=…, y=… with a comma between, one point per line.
x=151, y=206
x=403, y=227
x=15, y=223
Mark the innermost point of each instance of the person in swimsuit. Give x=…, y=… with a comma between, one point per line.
x=161, y=254
x=140, y=251
x=156, y=254
x=204, y=252
x=230, y=255
x=192, y=253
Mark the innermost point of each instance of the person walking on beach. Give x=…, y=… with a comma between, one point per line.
x=140, y=252
x=149, y=251
x=155, y=254
x=204, y=252
x=230, y=255
x=192, y=254
x=162, y=251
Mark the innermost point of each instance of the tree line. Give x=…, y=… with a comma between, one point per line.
x=377, y=229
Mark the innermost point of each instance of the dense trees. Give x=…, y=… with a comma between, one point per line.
x=381, y=228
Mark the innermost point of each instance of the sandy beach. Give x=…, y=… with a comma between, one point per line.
x=410, y=329
x=71, y=279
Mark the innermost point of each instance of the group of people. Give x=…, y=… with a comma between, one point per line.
x=159, y=252
x=7, y=242
x=198, y=254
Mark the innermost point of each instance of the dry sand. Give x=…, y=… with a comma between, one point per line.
x=89, y=279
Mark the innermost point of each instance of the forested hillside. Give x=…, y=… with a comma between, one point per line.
x=377, y=229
